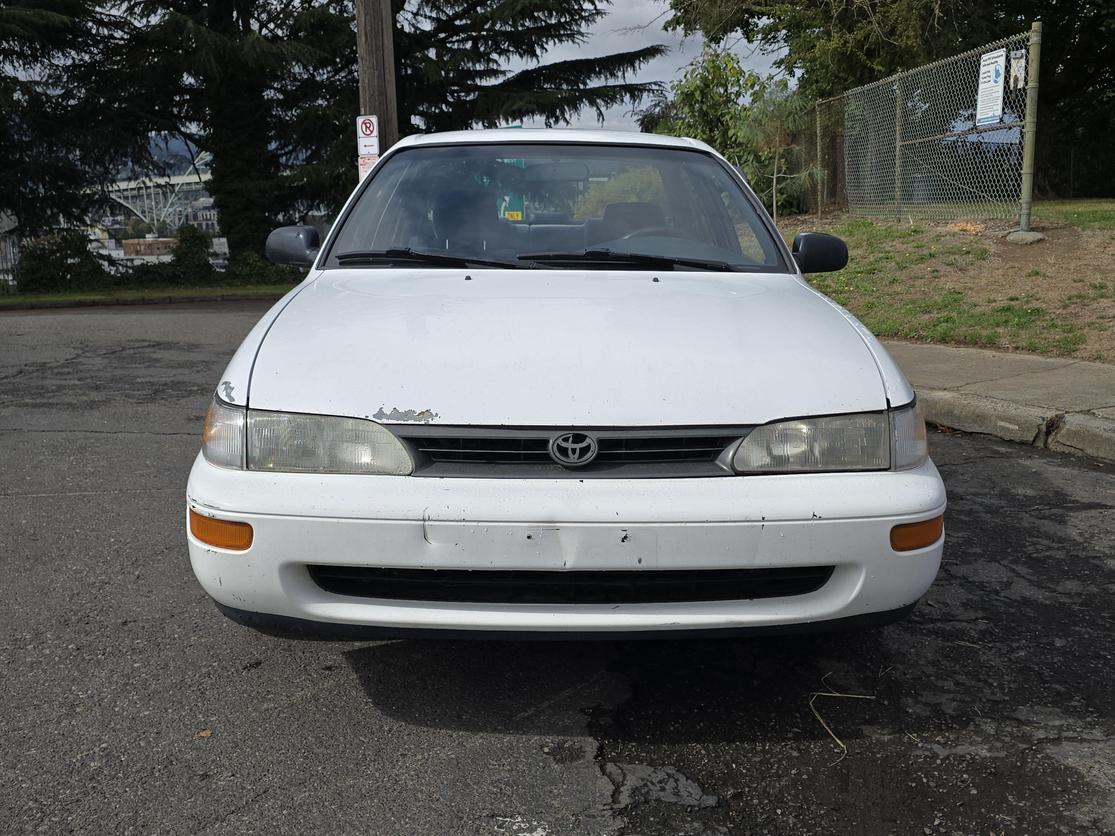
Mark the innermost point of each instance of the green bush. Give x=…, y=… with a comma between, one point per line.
x=63, y=262
x=246, y=268
x=191, y=256
x=755, y=122
x=60, y=261
x=156, y=274
x=189, y=265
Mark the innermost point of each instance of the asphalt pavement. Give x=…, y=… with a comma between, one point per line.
x=128, y=704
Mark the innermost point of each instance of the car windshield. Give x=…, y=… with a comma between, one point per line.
x=586, y=206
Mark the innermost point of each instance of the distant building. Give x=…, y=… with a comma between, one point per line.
x=133, y=247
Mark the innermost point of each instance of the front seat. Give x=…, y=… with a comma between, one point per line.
x=467, y=220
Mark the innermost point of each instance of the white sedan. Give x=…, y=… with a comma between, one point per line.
x=561, y=382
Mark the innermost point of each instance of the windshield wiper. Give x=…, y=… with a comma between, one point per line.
x=635, y=258
x=426, y=257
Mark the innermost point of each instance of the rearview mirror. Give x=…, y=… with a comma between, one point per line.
x=297, y=245
x=559, y=172
x=819, y=252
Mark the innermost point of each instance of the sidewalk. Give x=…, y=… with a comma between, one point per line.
x=1066, y=405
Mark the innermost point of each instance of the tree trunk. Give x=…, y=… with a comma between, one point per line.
x=238, y=133
x=244, y=170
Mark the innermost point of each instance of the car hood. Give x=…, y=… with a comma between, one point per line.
x=563, y=348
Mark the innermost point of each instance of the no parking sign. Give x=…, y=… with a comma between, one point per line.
x=367, y=143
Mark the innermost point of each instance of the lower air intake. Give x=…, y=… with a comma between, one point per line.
x=576, y=587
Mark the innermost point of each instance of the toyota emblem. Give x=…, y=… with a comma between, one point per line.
x=573, y=449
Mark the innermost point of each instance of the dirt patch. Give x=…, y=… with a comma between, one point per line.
x=965, y=284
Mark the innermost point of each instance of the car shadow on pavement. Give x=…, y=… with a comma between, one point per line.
x=751, y=687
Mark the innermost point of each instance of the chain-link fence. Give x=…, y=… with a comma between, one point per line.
x=945, y=141
x=9, y=257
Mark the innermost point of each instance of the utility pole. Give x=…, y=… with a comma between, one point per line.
x=375, y=51
x=1030, y=126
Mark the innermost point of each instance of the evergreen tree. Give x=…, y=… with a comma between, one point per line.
x=270, y=89
x=61, y=135
x=451, y=73
x=206, y=70
x=453, y=57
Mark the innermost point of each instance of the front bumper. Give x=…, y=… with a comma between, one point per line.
x=843, y=520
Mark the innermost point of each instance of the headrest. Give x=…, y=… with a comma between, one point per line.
x=465, y=214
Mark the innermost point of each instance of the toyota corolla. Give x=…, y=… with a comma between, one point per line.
x=561, y=382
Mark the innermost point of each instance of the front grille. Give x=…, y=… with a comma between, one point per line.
x=523, y=453
x=488, y=586
x=483, y=450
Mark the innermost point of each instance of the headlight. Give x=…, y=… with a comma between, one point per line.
x=814, y=445
x=911, y=447
x=296, y=443
x=862, y=441
x=222, y=442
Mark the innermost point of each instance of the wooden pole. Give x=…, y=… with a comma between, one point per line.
x=1030, y=129
x=375, y=52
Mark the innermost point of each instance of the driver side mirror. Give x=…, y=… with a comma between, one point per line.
x=819, y=252
x=296, y=245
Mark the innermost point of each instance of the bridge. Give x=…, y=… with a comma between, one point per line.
x=163, y=202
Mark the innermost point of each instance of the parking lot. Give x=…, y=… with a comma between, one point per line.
x=128, y=704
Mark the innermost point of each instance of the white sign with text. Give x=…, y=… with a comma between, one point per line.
x=989, y=97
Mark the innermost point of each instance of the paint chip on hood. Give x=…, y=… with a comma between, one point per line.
x=405, y=416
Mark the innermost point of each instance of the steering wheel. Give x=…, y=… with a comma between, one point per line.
x=648, y=231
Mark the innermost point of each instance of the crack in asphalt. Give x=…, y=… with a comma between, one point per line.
x=100, y=432
x=1056, y=368
x=106, y=492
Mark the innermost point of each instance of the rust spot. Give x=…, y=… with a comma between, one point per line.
x=405, y=416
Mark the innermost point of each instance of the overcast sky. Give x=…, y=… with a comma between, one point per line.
x=618, y=32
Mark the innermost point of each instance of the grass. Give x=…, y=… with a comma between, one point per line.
x=908, y=282
x=1096, y=213
x=140, y=294
x=1083, y=214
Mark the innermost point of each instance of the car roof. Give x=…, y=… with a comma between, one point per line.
x=580, y=135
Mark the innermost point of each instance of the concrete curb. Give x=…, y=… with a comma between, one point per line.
x=144, y=300
x=1081, y=433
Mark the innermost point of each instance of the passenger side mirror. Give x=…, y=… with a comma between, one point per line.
x=819, y=252
x=297, y=245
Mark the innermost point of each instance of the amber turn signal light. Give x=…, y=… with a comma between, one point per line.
x=223, y=534
x=910, y=536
